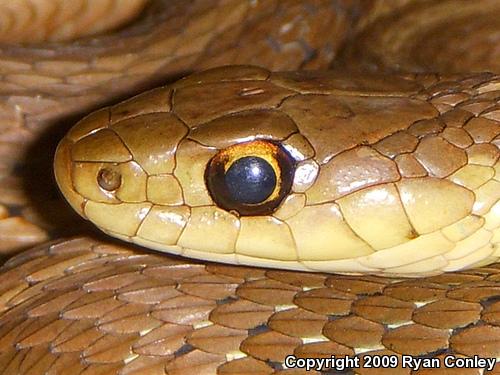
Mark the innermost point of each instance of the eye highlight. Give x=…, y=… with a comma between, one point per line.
x=250, y=178
x=109, y=179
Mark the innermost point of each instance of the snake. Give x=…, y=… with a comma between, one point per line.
x=315, y=179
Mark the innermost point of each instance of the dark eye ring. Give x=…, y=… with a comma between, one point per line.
x=251, y=178
x=109, y=179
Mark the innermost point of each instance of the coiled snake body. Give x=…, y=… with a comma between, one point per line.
x=368, y=169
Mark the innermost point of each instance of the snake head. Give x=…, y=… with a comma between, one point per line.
x=157, y=171
x=289, y=170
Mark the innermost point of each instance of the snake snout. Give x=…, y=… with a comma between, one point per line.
x=118, y=162
x=62, y=171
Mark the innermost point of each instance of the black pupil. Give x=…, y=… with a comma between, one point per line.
x=250, y=180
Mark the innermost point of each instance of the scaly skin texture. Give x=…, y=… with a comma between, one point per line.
x=45, y=88
x=369, y=174
x=37, y=21
x=85, y=306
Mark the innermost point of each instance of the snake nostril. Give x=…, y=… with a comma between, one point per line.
x=109, y=179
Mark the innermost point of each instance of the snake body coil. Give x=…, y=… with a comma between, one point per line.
x=386, y=165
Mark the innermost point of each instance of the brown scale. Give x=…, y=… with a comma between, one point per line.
x=416, y=317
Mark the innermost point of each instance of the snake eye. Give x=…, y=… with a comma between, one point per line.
x=251, y=178
x=109, y=179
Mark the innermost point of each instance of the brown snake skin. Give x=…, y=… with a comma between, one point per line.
x=86, y=306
